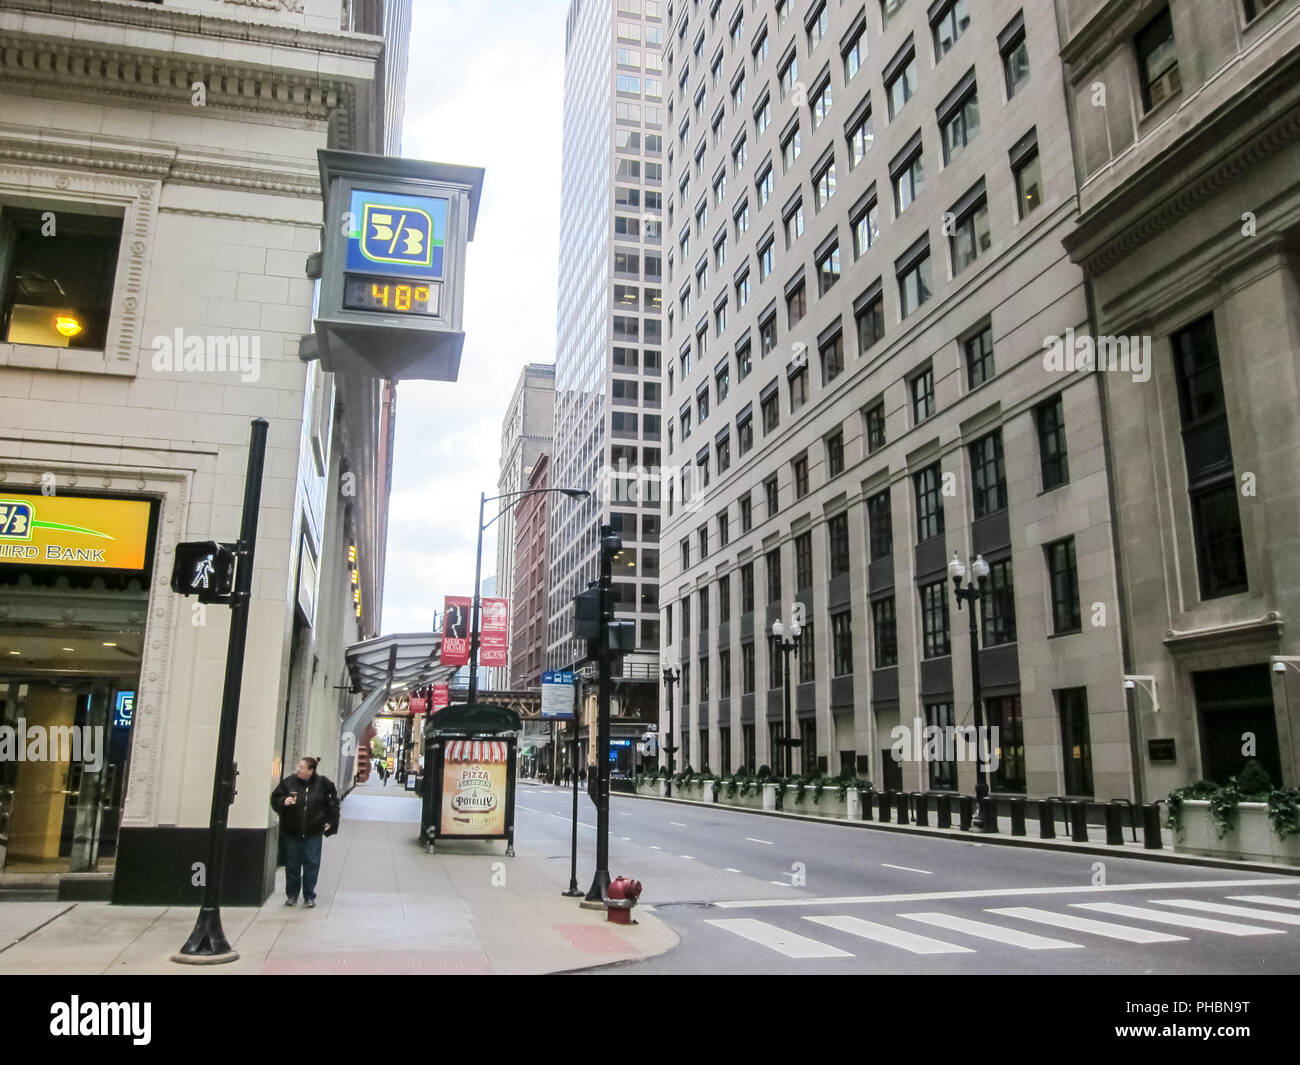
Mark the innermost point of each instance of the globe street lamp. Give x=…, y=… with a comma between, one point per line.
x=672, y=676
x=971, y=594
x=786, y=647
x=483, y=501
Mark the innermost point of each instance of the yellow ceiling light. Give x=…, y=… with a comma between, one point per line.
x=67, y=325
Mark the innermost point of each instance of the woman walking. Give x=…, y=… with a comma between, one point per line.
x=308, y=805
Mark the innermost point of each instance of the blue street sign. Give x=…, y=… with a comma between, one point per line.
x=557, y=693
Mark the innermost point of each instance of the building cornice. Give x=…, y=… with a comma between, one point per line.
x=1167, y=186
x=1254, y=633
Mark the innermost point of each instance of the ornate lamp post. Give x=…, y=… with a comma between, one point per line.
x=787, y=647
x=672, y=677
x=971, y=594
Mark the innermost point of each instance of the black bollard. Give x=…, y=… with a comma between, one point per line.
x=1017, y=816
x=1079, y=821
x=944, y=812
x=886, y=801
x=867, y=796
x=967, y=807
x=1114, y=824
x=1151, y=838
x=1046, y=819
x=921, y=808
x=902, y=807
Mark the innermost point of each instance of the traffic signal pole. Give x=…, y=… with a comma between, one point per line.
x=609, y=546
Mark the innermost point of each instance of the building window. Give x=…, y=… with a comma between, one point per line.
x=1029, y=182
x=817, y=26
x=796, y=306
x=979, y=357
x=1003, y=714
x=58, y=292
x=741, y=219
x=775, y=663
x=798, y=382
x=744, y=361
x=821, y=103
x=943, y=772
x=724, y=692
x=794, y=224
x=901, y=87
x=745, y=435
x=960, y=126
x=747, y=588
x=922, y=389
x=746, y=513
x=988, y=474
x=885, y=633
x=929, y=503
x=764, y=186
x=704, y=606
x=853, y=54
x=1052, y=455
x=971, y=238
x=1076, y=745
x=722, y=381
x=1157, y=60
x=761, y=50
x=724, y=599
x=828, y=269
x=934, y=620
x=951, y=23
x=998, y=605
x=686, y=564
x=875, y=427
x=835, y=453
x=1063, y=577
x=837, y=537
x=791, y=147
x=771, y=493
x=789, y=76
x=870, y=319
x=742, y=289
x=1015, y=60
x=842, y=643
x=749, y=752
x=824, y=182
x=915, y=283
x=880, y=526
x=908, y=182
x=807, y=655
x=763, y=117
x=1207, y=450
x=803, y=563
x=832, y=358
x=860, y=138
x=799, y=469
x=724, y=530
x=1253, y=8
x=765, y=262
x=771, y=413
x=866, y=229
x=772, y=560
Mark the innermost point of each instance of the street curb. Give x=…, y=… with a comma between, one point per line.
x=999, y=840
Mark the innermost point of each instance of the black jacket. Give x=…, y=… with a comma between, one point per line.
x=317, y=805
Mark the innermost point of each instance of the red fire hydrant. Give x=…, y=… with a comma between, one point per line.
x=620, y=899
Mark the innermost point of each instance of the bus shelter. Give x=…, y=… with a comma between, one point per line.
x=469, y=775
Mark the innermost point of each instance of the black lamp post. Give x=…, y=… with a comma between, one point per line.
x=787, y=648
x=971, y=594
x=483, y=501
x=672, y=676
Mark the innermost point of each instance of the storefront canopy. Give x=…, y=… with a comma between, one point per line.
x=388, y=666
x=473, y=719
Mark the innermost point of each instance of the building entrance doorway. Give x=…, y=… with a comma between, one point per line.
x=1234, y=708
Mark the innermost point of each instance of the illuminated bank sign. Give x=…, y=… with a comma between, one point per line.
x=392, y=266
x=81, y=531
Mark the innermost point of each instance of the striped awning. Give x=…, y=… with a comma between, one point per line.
x=476, y=751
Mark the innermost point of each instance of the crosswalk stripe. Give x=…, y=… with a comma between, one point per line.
x=791, y=944
x=1085, y=924
x=1232, y=911
x=1268, y=900
x=894, y=937
x=982, y=930
x=1181, y=920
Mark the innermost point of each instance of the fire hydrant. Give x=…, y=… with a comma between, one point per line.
x=620, y=899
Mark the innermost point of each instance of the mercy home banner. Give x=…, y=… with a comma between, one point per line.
x=441, y=697
x=455, y=630
x=494, y=635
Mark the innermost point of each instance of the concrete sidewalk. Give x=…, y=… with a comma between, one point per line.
x=384, y=906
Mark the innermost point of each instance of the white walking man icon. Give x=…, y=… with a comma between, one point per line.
x=204, y=572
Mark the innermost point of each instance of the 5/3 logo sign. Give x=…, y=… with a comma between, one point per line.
x=15, y=519
x=397, y=235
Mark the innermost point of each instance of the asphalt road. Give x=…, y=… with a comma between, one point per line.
x=759, y=894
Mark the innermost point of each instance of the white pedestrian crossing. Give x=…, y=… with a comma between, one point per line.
x=791, y=944
x=1179, y=920
x=894, y=937
x=1233, y=911
x=1267, y=900
x=1085, y=924
x=996, y=933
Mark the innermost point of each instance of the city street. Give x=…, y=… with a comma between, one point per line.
x=871, y=901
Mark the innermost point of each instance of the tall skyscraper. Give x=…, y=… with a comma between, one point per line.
x=866, y=206
x=608, y=356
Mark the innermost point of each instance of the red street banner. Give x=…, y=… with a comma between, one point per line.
x=418, y=704
x=441, y=697
x=494, y=640
x=455, y=630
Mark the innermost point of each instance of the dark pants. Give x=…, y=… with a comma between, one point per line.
x=301, y=865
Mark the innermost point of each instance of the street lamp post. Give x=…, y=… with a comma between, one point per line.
x=672, y=676
x=786, y=647
x=971, y=594
x=483, y=501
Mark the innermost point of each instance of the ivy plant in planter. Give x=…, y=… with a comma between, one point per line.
x=1284, y=812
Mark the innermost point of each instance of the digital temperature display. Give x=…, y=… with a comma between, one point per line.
x=390, y=295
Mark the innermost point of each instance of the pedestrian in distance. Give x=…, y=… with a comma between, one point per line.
x=308, y=805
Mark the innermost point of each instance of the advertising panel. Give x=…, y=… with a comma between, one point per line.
x=474, y=782
x=494, y=633
x=455, y=630
x=83, y=531
x=441, y=697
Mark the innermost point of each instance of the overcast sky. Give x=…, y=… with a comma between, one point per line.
x=485, y=88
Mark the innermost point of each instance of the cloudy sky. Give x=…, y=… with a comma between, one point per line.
x=485, y=88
